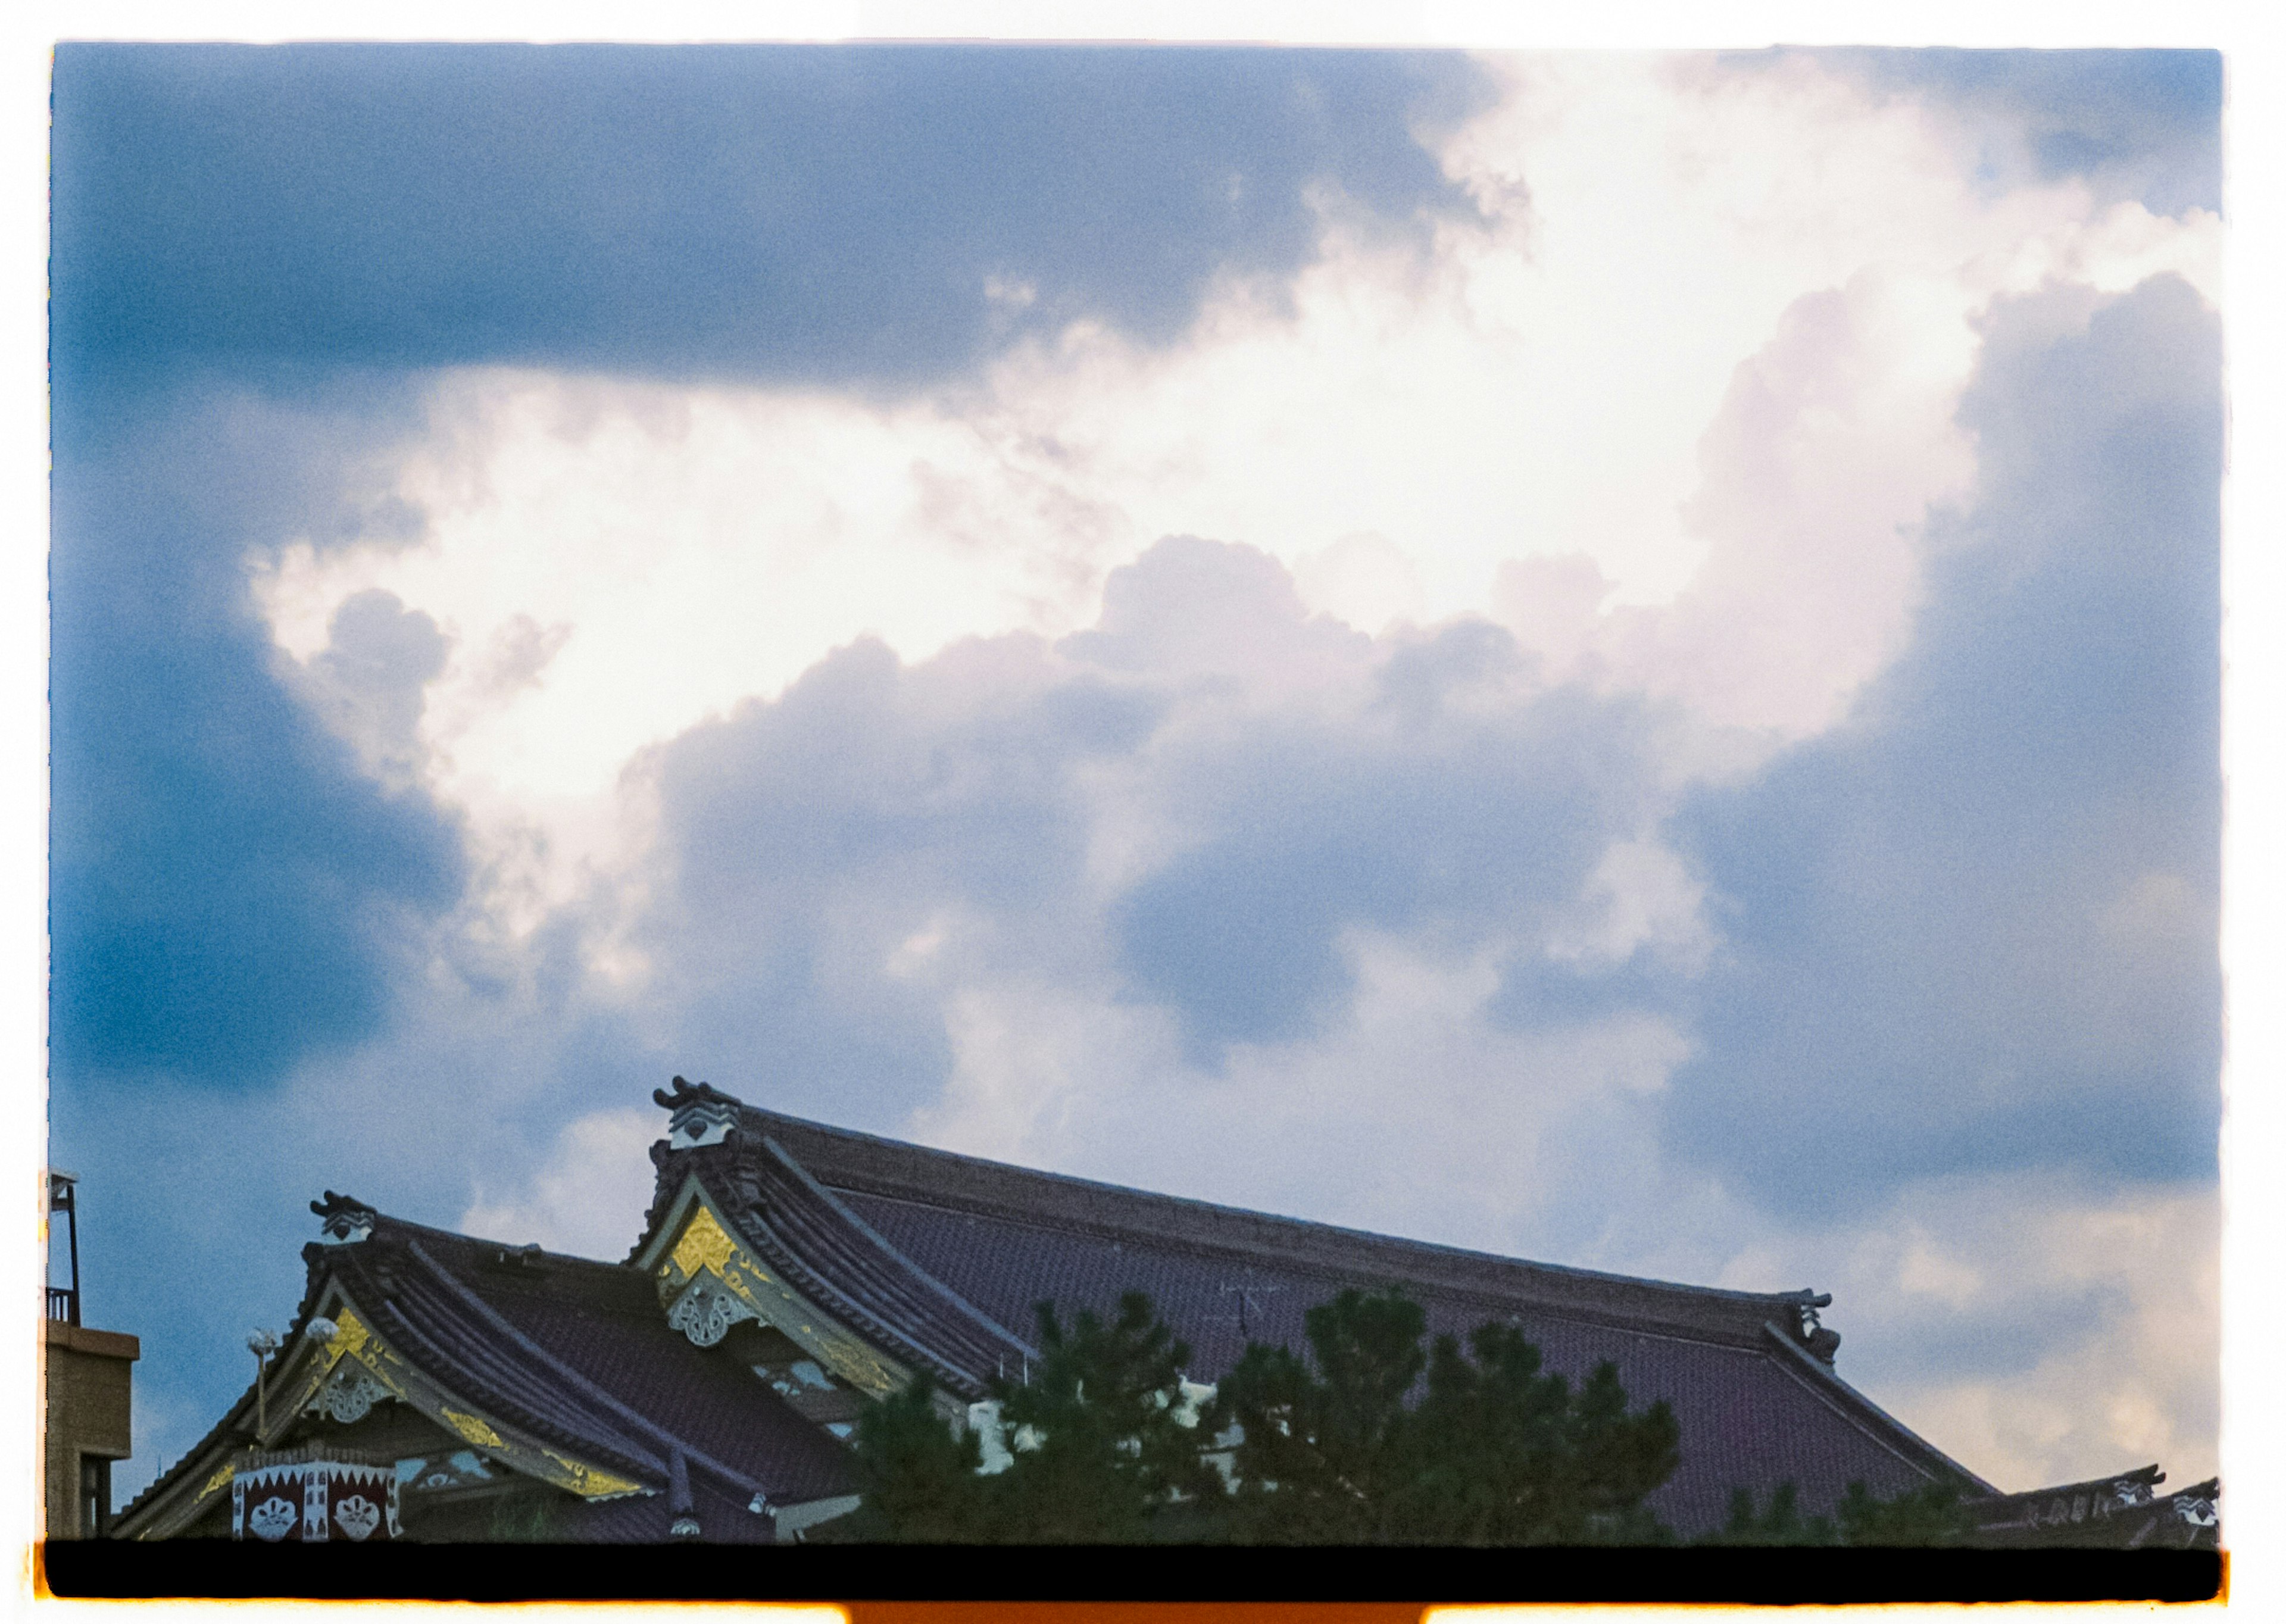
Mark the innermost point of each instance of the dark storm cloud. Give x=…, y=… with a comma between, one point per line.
x=1977, y=929
x=320, y=220
x=791, y=211
x=226, y=883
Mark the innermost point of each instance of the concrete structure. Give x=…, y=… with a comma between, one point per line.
x=88, y=1380
x=87, y=1383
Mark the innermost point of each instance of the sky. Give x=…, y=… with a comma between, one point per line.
x=1610, y=657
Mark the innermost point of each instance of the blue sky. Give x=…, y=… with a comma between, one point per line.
x=1613, y=659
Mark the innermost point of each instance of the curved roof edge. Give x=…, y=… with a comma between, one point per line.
x=843, y=1159
x=1822, y=1378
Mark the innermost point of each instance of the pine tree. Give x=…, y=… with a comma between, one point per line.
x=1497, y=1451
x=917, y=1477
x=1102, y=1455
x=1934, y=1514
x=1329, y=1449
x=1323, y=1453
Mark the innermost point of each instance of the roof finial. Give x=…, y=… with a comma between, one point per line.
x=347, y=1220
x=703, y=1115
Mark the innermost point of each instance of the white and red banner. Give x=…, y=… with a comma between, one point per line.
x=313, y=1498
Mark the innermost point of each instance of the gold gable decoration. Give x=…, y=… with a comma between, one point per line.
x=706, y=1255
x=705, y=1244
x=475, y=1428
x=593, y=1483
x=354, y=1341
x=356, y=1344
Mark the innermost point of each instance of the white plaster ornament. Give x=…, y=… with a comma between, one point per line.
x=357, y=1517
x=273, y=1519
x=707, y=1310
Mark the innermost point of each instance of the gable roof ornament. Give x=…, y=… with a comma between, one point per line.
x=702, y=1115
x=1822, y=1343
x=347, y=1220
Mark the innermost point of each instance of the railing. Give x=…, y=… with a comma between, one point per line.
x=63, y=1303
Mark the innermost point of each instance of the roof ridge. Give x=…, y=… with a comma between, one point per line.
x=527, y=1248
x=841, y=1210
x=1823, y=1379
x=2150, y=1477
x=1279, y=1221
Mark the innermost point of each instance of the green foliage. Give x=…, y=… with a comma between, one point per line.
x=523, y=1519
x=1324, y=1453
x=1497, y=1453
x=1780, y=1523
x=1101, y=1456
x=1931, y=1515
x=1109, y=1456
x=918, y=1478
x=1327, y=1449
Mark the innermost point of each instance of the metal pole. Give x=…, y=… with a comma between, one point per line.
x=262, y=1344
x=71, y=1218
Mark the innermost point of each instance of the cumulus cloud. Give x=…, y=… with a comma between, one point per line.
x=2041, y=1331
x=1694, y=351
x=266, y=209
x=229, y=878
x=1978, y=925
x=589, y=1196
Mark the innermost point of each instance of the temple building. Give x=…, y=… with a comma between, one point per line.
x=434, y=1386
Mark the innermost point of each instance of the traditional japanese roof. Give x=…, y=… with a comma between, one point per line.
x=937, y=1259
x=2124, y=1510
x=862, y=1262
x=558, y=1368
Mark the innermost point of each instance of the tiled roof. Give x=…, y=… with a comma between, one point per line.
x=884, y=1222
x=579, y=1349
x=826, y=1250
x=2124, y=1509
x=577, y=1354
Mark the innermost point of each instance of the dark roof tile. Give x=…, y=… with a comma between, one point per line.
x=931, y=1242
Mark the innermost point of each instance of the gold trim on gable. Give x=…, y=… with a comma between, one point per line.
x=353, y=1339
x=705, y=1246
x=592, y=1483
x=473, y=1429
x=350, y=1334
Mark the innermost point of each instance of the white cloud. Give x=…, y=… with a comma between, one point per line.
x=1338, y=1126
x=586, y=1197
x=1708, y=338
x=1640, y=896
x=2038, y=1333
